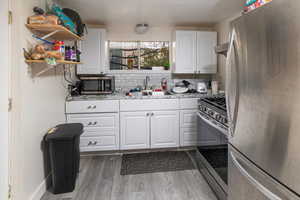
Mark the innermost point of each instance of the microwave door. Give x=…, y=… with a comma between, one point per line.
x=90, y=87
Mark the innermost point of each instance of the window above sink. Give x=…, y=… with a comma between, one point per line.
x=139, y=56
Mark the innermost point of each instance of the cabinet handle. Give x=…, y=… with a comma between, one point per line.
x=95, y=123
x=152, y=114
x=89, y=107
x=148, y=114
x=90, y=123
x=90, y=143
x=95, y=143
x=94, y=107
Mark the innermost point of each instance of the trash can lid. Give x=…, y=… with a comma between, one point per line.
x=64, y=131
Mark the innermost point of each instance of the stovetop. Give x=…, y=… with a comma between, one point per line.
x=214, y=109
x=218, y=101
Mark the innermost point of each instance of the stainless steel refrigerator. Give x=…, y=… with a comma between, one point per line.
x=263, y=100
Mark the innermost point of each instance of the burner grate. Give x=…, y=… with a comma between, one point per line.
x=219, y=102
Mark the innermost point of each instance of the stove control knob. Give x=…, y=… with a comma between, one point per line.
x=211, y=113
x=200, y=108
x=224, y=120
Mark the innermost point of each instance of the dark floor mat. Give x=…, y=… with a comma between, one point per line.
x=142, y=163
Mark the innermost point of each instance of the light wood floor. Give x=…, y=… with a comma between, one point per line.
x=100, y=179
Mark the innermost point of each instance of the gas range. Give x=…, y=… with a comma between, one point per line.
x=213, y=109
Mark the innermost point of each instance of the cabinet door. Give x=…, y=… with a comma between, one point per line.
x=93, y=54
x=165, y=129
x=186, y=42
x=206, y=56
x=135, y=130
x=188, y=128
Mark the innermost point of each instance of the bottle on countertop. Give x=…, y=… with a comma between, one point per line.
x=164, y=84
x=215, y=87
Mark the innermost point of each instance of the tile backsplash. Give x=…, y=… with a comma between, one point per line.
x=127, y=81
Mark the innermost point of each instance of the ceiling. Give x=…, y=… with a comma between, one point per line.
x=155, y=12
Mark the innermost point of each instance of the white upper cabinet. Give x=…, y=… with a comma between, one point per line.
x=195, y=52
x=206, y=56
x=93, y=55
x=186, y=50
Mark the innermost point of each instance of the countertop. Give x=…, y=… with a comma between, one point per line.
x=122, y=96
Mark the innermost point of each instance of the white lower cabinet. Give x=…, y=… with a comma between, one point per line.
x=189, y=135
x=164, y=129
x=135, y=130
x=150, y=129
x=101, y=131
x=115, y=125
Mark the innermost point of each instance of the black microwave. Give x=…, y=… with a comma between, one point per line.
x=97, y=85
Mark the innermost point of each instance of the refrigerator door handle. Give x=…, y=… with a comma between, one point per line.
x=253, y=181
x=232, y=111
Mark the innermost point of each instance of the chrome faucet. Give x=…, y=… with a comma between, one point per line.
x=146, y=82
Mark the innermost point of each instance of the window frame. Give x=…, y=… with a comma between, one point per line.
x=140, y=70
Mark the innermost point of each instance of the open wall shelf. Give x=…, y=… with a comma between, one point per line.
x=58, y=62
x=49, y=67
x=55, y=32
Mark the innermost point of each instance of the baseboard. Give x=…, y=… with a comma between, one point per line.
x=40, y=190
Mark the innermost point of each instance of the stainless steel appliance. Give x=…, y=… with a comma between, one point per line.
x=263, y=102
x=213, y=111
x=96, y=85
x=212, y=157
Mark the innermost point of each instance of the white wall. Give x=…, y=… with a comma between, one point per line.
x=223, y=28
x=4, y=95
x=38, y=106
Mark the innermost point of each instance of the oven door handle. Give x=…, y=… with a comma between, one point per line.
x=212, y=124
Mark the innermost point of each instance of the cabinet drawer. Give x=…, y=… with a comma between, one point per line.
x=92, y=106
x=95, y=120
x=95, y=132
x=189, y=103
x=149, y=104
x=98, y=143
x=188, y=118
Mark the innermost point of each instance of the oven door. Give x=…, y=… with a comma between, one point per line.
x=211, y=155
x=208, y=128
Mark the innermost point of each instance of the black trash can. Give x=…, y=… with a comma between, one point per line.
x=63, y=146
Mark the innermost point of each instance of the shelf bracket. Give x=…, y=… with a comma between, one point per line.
x=45, y=70
x=50, y=34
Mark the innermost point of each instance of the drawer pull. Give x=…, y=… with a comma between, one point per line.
x=95, y=123
x=95, y=143
x=94, y=107
x=90, y=123
x=89, y=107
x=90, y=143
